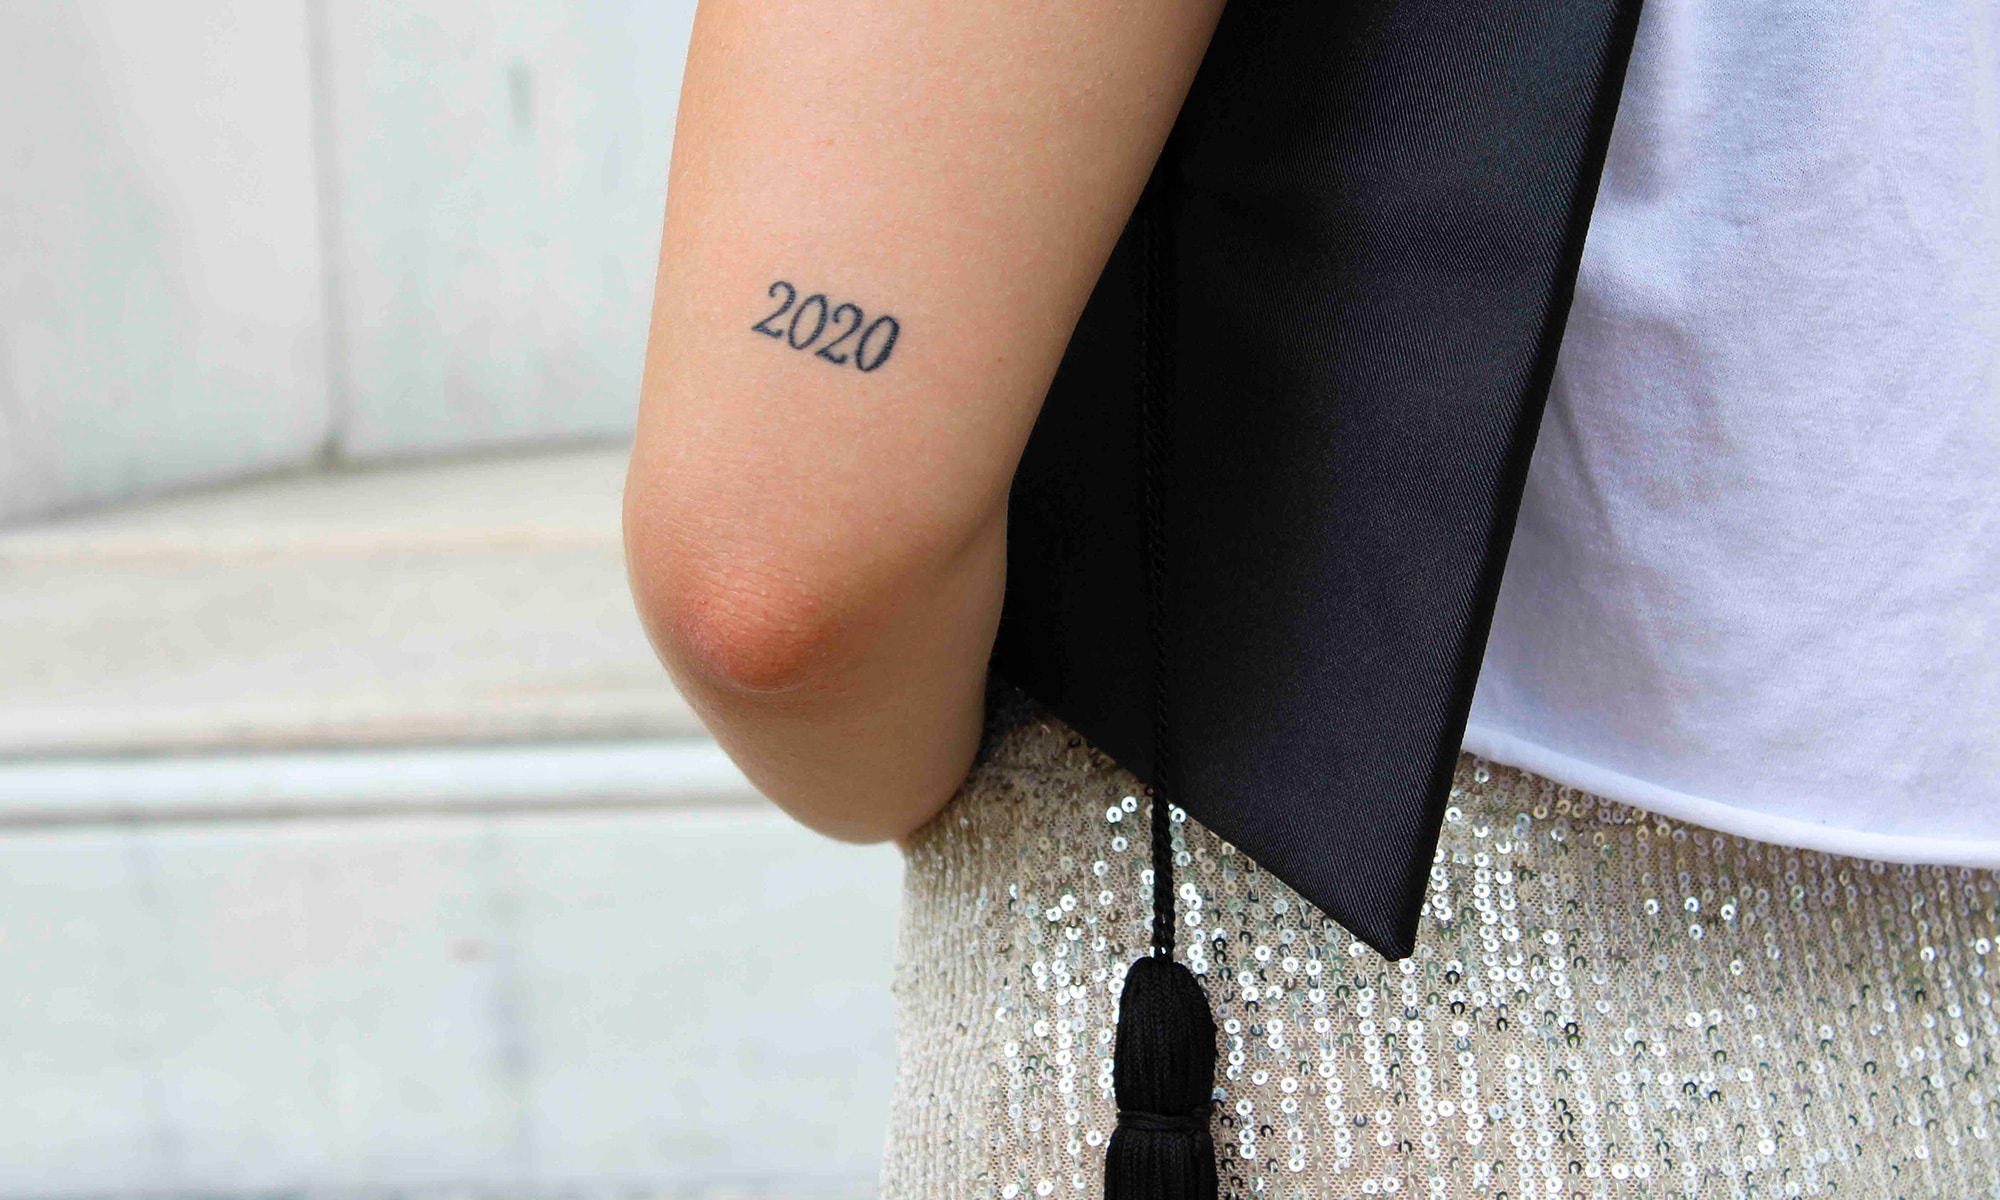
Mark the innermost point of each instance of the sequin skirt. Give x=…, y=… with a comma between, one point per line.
x=1601, y=1003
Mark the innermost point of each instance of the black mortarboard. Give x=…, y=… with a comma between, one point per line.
x=1256, y=538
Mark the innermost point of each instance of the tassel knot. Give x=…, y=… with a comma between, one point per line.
x=1192, y=1122
x=1163, y=1073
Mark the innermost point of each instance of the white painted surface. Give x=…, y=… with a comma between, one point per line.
x=160, y=283
x=497, y=1004
x=501, y=172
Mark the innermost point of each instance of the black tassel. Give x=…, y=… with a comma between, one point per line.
x=1163, y=1070
x=1163, y=1065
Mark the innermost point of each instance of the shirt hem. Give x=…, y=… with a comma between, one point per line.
x=1511, y=750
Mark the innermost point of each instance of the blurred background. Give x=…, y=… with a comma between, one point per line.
x=351, y=840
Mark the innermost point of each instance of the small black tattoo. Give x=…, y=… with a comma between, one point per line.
x=869, y=353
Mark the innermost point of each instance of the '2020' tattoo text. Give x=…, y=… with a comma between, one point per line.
x=812, y=317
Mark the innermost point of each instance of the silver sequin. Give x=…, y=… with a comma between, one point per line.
x=1602, y=1003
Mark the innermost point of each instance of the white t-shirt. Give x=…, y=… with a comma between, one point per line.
x=1756, y=579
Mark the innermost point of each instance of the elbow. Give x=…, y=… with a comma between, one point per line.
x=725, y=618
x=750, y=643
x=748, y=646
x=736, y=628
x=792, y=645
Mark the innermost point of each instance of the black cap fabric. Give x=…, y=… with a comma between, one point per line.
x=1345, y=289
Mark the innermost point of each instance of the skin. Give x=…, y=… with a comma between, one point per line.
x=818, y=552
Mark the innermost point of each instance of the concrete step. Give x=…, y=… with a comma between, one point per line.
x=352, y=843
x=516, y=1004
x=447, y=602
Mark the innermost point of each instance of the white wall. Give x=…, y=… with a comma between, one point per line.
x=160, y=308
x=238, y=236
x=501, y=168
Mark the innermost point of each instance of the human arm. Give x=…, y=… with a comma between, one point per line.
x=818, y=550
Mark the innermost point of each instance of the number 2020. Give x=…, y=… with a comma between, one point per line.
x=869, y=353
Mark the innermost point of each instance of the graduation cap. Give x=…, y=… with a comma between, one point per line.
x=1256, y=537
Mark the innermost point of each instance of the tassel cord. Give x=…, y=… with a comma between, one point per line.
x=1163, y=1065
x=1155, y=343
